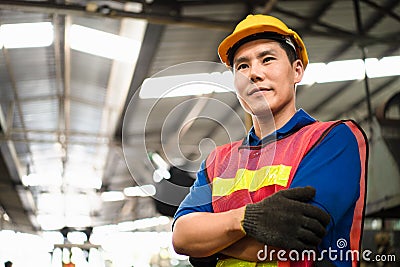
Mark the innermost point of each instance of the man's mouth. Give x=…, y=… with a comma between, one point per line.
x=259, y=89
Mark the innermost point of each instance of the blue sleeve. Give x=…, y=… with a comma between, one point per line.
x=199, y=198
x=333, y=167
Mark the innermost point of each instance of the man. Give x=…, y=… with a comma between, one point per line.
x=293, y=185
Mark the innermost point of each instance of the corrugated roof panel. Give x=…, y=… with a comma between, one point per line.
x=317, y=47
x=181, y=44
x=306, y=9
x=31, y=89
x=84, y=118
x=6, y=92
x=16, y=117
x=32, y=63
x=89, y=77
x=109, y=25
x=346, y=20
x=42, y=136
x=387, y=26
x=41, y=115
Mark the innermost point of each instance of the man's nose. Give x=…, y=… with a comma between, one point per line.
x=256, y=75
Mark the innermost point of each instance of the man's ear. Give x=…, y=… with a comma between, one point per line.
x=298, y=68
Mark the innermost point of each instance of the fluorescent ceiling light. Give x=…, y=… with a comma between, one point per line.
x=56, y=259
x=83, y=176
x=387, y=66
x=78, y=257
x=23, y=35
x=140, y=191
x=103, y=44
x=57, y=210
x=77, y=203
x=159, y=161
x=95, y=258
x=42, y=179
x=105, y=229
x=126, y=226
x=187, y=84
x=51, y=222
x=53, y=237
x=77, y=237
x=110, y=196
x=6, y=217
x=50, y=203
x=66, y=256
x=160, y=174
x=133, y=7
x=334, y=71
x=78, y=221
x=143, y=223
x=313, y=71
x=347, y=70
x=150, y=222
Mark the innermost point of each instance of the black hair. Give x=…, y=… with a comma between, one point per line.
x=292, y=55
x=281, y=39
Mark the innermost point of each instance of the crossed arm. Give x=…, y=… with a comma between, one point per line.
x=202, y=234
x=284, y=220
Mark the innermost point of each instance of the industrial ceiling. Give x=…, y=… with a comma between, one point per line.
x=76, y=119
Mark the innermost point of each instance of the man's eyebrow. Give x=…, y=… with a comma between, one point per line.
x=240, y=60
x=259, y=55
x=266, y=52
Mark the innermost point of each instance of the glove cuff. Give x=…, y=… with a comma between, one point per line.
x=251, y=216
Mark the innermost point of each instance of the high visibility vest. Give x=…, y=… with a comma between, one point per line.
x=241, y=174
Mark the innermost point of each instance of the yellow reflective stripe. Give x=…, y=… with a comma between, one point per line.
x=232, y=262
x=252, y=180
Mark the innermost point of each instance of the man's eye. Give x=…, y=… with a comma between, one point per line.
x=267, y=59
x=241, y=66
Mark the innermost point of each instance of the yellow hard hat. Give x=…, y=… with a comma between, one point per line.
x=253, y=25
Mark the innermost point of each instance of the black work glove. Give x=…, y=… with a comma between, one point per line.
x=204, y=262
x=284, y=220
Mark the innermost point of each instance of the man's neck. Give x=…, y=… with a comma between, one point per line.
x=266, y=125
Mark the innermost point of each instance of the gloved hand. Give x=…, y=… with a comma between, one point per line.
x=285, y=220
x=204, y=262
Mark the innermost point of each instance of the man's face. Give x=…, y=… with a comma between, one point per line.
x=264, y=78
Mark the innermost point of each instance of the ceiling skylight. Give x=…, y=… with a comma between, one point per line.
x=140, y=191
x=104, y=44
x=387, y=66
x=24, y=35
x=348, y=70
x=345, y=70
x=187, y=84
x=110, y=196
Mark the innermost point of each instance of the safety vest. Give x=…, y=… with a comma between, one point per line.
x=241, y=174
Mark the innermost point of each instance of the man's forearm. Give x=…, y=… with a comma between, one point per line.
x=249, y=249
x=202, y=234
x=244, y=249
